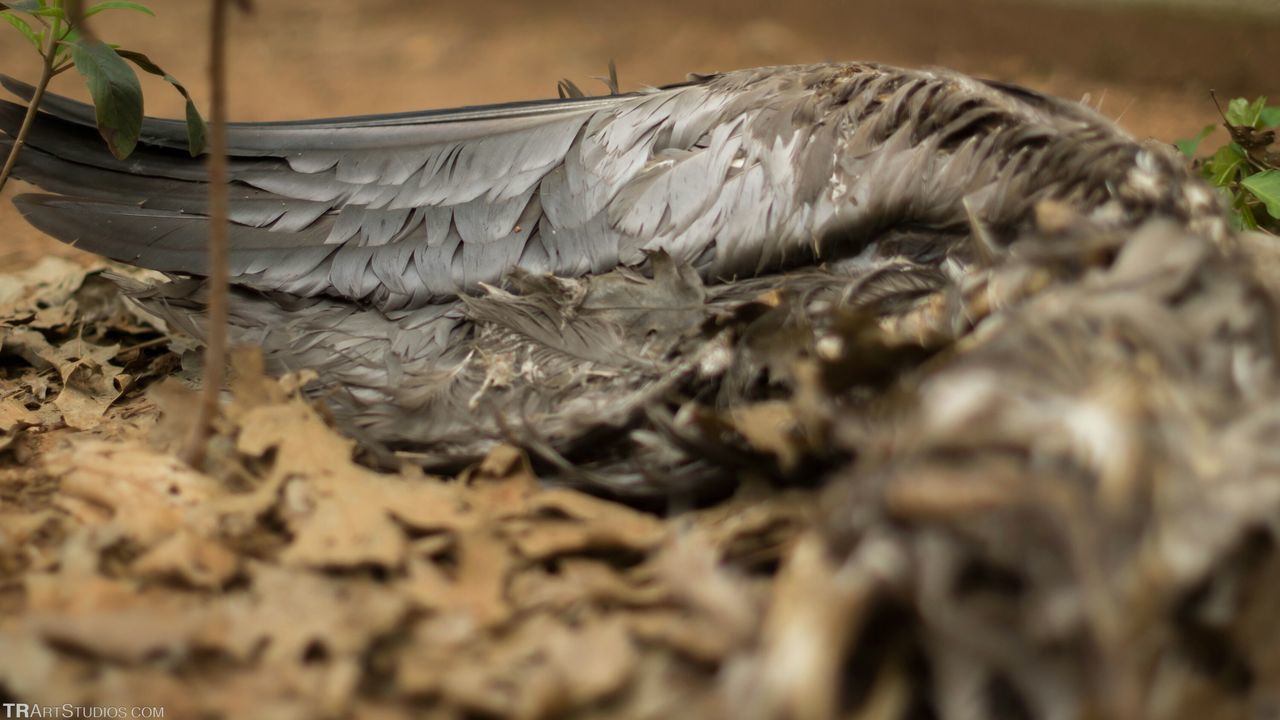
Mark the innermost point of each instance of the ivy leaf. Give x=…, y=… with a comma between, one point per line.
x=197, y=130
x=1225, y=165
x=1242, y=113
x=1244, y=218
x=22, y=27
x=1189, y=146
x=119, y=5
x=116, y=92
x=1266, y=187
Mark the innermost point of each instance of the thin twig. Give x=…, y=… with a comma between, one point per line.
x=215, y=356
x=46, y=74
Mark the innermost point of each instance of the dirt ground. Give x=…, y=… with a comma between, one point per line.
x=1152, y=69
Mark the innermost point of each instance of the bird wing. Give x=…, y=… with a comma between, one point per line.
x=403, y=210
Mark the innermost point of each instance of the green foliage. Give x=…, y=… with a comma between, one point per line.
x=112, y=83
x=197, y=130
x=1190, y=146
x=23, y=27
x=1266, y=187
x=119, y=5
x=1246, y=169
x=116, y=93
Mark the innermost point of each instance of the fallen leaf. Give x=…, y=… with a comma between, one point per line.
x=145, y=495
x=15, y=415
x=198, y=561
x=288, y=613
x=773, y=429
x=565, y=521
x=476, y=587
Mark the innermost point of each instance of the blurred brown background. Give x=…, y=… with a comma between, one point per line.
x=1148, y=63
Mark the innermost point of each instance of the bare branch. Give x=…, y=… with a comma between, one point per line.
x=216, y=341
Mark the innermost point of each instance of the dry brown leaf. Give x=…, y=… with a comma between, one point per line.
x=145, y=495
x=477, y=587
x=90, y=384
x=293, y=612
x=348, y=516
x=691, y=567
x=336, y=523
x=433, y=646
x=340, y=515
x=689, y=635
x=48, y=284
x=502, y=484
x=28, y=541
x=199, y=561
x=112, y=619
x=31, y=346
x=304, y=444
x=36, y=383
x=288, y=691
x=391, y=710
x=596, y=659
x=502, y=461
x=57, y=316
x=757, y=526
x=565, y=521
x=773, y=429
x=14, y=415
x=427, y=504
x=581, y=581
x=32, y=670
x=251, y=387
x=542, y=669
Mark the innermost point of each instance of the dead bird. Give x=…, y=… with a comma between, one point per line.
x=626, y=229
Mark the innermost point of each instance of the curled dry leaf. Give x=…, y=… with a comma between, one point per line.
x=142, y=495
x=540, y=669
x=476, y=587
x=564, y=521
x=15, y=415
x=198, y=561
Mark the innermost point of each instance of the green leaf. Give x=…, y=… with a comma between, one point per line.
x=197, y=130
x=1189, y=146
x=70, y=36
x=116, y=92
x=1225, y=166
x=23, y=28
x=1245, y=219
x=119, y=5
x=1266, y=187
x=1239, y=211
x=1242, y=113
x=1270, y=117
x=26, y=6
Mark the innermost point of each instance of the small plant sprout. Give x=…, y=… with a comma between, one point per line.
x=55, y=30
x=1247, y=169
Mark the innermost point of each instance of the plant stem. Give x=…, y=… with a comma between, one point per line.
x=215, y=355
x=46, y=74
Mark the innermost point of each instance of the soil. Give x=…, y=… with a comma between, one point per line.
x=1150, y=68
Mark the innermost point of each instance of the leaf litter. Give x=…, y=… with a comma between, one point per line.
x=1048, y=488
